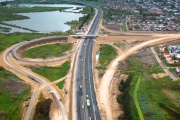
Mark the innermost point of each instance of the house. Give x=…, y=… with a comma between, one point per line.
x=170, y=61
x=177, y=56
x=165, y=55
x=177, y=71
x=162, y=48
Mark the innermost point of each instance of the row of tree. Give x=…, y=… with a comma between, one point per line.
x=43, y=109
x=124, y=99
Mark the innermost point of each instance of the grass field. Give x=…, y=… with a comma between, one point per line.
x=76, y=24
x=10, y=102
x=11, y=39
x=108, y=53
x=61, y=84
x=46, y=51
x=52, y=73
x=123, y=27
x=158, y=98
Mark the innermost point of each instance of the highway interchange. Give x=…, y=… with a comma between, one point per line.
x=84, y=77
x=84, y=86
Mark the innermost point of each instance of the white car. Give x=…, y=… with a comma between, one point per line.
x=82, y=106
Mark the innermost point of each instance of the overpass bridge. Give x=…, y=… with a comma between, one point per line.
x=85, y=36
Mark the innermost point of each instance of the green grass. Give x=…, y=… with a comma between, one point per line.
x=153, y=102
x=11, y=39
x=123, y=27
x=46, y=51
x=108, y=53
x=86, y=10
x=7, y=40
x=117, y=44
x=136, y=99
x=11, y=103
x=8, y=14
x=61, y=84
x=41, y=97
x=52, y=73
x=74, y=24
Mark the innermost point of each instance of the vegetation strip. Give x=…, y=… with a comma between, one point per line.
x=52, y=73
x=46, y=51
x=136, y=99
x=61, y=84
x=107, y=54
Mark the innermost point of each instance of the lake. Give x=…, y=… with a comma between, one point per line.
x=47, y=22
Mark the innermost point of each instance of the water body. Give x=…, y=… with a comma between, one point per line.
x=47, y=22
x=14, y=29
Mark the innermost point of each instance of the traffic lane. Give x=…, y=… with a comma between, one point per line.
x=88, y=87
x=80, y=100
x=91, y=83
x=96, y=110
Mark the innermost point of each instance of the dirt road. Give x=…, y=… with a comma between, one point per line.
x=107, y=78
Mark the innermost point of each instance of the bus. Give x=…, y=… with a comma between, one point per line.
x=88, y=103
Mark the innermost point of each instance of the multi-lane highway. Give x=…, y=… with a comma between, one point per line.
x=84, y=77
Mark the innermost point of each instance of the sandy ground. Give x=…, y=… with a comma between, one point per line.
x=105, y=105
x=114, y=91
x=175, y=99
x=159, y=75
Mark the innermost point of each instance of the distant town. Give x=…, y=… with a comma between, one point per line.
x=141, y=15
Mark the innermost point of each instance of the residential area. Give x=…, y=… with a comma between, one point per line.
x=170, y=56
x=144, y=15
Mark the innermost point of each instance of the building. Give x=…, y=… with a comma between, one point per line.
x=177, y=71
x=162, y=48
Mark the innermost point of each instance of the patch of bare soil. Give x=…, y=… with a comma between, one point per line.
x=159, y=75
x=114, y=91
x=172, y=97
x=124, y=65
x=14, y=86
x=112, y=27
x=145, y=56
x=2, y=115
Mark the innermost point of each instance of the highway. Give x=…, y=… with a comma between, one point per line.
x=84, y=76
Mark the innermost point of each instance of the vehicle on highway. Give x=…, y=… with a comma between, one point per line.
x=82, y=106
x=88, y=103
x=84, y=44
x=80, y=86
x=87, y=96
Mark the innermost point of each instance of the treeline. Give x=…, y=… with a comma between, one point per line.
x=42, y=110
x=86, y=18
x=124, y=99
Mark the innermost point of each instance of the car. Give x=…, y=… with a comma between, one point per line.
x=80, y=86
x=82, y=106
x=87, y=96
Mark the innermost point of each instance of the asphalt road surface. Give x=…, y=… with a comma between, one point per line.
x=84, y=77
